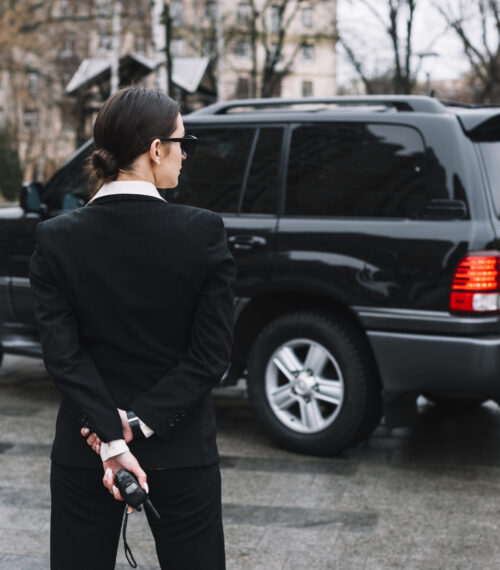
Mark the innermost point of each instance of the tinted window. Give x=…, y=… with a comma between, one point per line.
x=491, y=155
x=212, y=178
x=356, y=169
x=262, y=184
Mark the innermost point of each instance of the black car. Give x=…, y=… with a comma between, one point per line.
x=366, y=232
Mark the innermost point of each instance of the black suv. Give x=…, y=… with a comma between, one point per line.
x=367, y=237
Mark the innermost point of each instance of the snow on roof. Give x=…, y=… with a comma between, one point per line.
x=187, y=72
x=90, y=68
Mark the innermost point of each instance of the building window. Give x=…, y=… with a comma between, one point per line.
x=307, y=17
x=140, y=45
x=243, y=12
x=105, y=42
x=104, y=8
x=33, y=82
x=211, y=10
x=30, y=119
x=208, y=47
x=177, y=47
x=274, y=51
x=307, y=88
x=176, y=12
x=307, y=52
x=275, y=19
x=243, y=49
x=243, y=88
x=63, y=6
x=68, y=49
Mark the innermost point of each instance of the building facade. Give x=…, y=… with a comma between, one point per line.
x=241, y=39
x=219, y=49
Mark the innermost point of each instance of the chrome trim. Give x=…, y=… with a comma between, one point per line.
x=431, y=322
x=413, y=314
x=20, y=282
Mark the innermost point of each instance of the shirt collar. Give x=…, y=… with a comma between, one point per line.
x=127, y=187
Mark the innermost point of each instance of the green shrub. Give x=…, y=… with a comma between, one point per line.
x=11, y=172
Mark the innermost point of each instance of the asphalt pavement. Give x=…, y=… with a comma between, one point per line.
x=424, y=497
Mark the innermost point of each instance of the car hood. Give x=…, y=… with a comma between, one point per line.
x=10, y=212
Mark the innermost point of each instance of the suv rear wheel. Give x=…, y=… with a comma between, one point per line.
x=312, y=384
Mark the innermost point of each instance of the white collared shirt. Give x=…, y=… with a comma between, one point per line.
x=118, y=446
x=127, y=187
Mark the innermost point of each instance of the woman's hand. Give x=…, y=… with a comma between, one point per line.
x=92, y=440
x=114, y=464
x=95, y=442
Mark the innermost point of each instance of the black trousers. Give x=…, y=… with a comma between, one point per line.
x=86, y=519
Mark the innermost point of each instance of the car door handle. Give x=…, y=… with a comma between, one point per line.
x=246, y=241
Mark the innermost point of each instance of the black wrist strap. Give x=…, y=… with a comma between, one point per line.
x=128, y=551
x=133, y=421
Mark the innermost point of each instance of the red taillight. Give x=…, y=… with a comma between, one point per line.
x=476, y=283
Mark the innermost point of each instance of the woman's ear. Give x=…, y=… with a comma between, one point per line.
x=154, y=151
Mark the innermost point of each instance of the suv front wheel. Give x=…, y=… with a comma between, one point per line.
x=312, y=384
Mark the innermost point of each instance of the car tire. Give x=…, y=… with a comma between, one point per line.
x=313, y=384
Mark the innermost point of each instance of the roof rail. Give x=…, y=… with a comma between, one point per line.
x=469, y=105
x=415, y=103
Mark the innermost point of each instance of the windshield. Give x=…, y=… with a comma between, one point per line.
x=491, y=155
x=70, y=179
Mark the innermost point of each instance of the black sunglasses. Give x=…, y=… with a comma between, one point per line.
x=188, y=144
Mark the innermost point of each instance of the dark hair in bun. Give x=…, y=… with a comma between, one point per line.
x=125, y=127
x=104, y=164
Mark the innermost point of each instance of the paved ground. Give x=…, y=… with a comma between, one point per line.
x=419, y=498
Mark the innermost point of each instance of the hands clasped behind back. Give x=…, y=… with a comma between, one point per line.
x=124, y=460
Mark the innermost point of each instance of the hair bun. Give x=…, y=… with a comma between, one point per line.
x=104, y=164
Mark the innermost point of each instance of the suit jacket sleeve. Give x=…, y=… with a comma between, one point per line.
x=204, y=361
x=66, y=359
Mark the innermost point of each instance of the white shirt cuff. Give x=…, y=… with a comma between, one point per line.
x=147, y=431
x=113, y=448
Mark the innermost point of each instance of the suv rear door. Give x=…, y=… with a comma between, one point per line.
x=355, y=218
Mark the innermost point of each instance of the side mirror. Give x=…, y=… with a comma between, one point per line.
x=30, y=198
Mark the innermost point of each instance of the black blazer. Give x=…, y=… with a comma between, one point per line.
x=134, y=303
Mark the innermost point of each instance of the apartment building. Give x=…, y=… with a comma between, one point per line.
x=241, y=39
x=58, y=72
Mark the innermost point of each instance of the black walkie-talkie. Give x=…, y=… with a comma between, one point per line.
x=133, y=495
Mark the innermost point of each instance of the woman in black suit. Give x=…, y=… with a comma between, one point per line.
x=134, y=304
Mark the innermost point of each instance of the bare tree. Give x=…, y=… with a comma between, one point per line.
x=49, y=42
x=483, y=49
x=269, y=29
x=396, y=19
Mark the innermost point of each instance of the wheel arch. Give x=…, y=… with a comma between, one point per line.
x=262, y=309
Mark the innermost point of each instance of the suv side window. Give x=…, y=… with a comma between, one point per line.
x=356, y=169
x=213, y=177
x=262, y=185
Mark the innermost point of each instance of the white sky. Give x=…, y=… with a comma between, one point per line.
x=430, y=35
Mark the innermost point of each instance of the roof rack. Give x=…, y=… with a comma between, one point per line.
x=412, y=103
x=469, y=105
